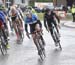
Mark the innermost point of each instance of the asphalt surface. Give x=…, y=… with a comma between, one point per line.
x=26, y=53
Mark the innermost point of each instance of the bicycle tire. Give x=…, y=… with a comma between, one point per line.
x=57, y=37
x=41, y=57
x=41, y=50
x=60, y=46
x=20, y=34
x=43, y=44
x=3, y=49
x=44, y=53
x=3, y=45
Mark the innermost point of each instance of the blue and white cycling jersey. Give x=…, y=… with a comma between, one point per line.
x=2, y=16
x=31, y=20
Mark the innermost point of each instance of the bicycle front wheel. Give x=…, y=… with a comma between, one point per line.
x=3, y=49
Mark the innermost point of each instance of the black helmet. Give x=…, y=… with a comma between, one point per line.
x=47, y=10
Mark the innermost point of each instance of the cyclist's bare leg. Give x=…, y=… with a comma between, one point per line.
x=51, y=31
x=21, y=22
x=5, y=36
x=37, y=27
x=34, y=40
x=57, y=28
x=43, y=41
x=16, y=31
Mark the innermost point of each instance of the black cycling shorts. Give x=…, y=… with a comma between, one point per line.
x=52, y=22
x=32, y=27
x=13, y=18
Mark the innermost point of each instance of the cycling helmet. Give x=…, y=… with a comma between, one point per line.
x=47, y=10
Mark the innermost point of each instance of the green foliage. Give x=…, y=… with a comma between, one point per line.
x=32, y=2
x=44, y=0
x=40, y=16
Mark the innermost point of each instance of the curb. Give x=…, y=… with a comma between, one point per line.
x=69, y=24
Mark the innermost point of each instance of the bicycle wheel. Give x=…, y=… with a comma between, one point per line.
x=41, y=56
x=43, y=42
x=43, y=46
x=42, y=50
x=38, y=48
x=21, y=34
x=58, y=40
x=3, y=47
x=3, y=43
x=56, y=37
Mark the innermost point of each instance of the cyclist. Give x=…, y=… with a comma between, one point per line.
x=15, y=17
x=20, y=15
x=6, y=27
x=34, y=24
x=49, y=19
x=3, y=24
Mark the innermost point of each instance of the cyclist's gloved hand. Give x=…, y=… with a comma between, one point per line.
x=28, y=35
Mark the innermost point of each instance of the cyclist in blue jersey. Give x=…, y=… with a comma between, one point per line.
x=35, y=24
x=3, y=25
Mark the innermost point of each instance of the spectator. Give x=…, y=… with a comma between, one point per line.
x=73, y=12
x=65, y=9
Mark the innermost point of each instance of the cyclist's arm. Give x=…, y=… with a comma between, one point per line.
x=26, y=28
x=39, y=23
x=5, y=17
x=57, y=18
x=45, y=21
x=26, y=25
x=21, y=13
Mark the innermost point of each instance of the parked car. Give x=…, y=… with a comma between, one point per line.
x=59, y=7
x=47, y=7
x=37, y=9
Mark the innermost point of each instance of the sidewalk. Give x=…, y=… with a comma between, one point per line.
x=69, y=24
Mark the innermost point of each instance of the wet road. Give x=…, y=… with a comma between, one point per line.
x=26, y=53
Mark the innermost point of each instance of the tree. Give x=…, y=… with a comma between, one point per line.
x=44, y=0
